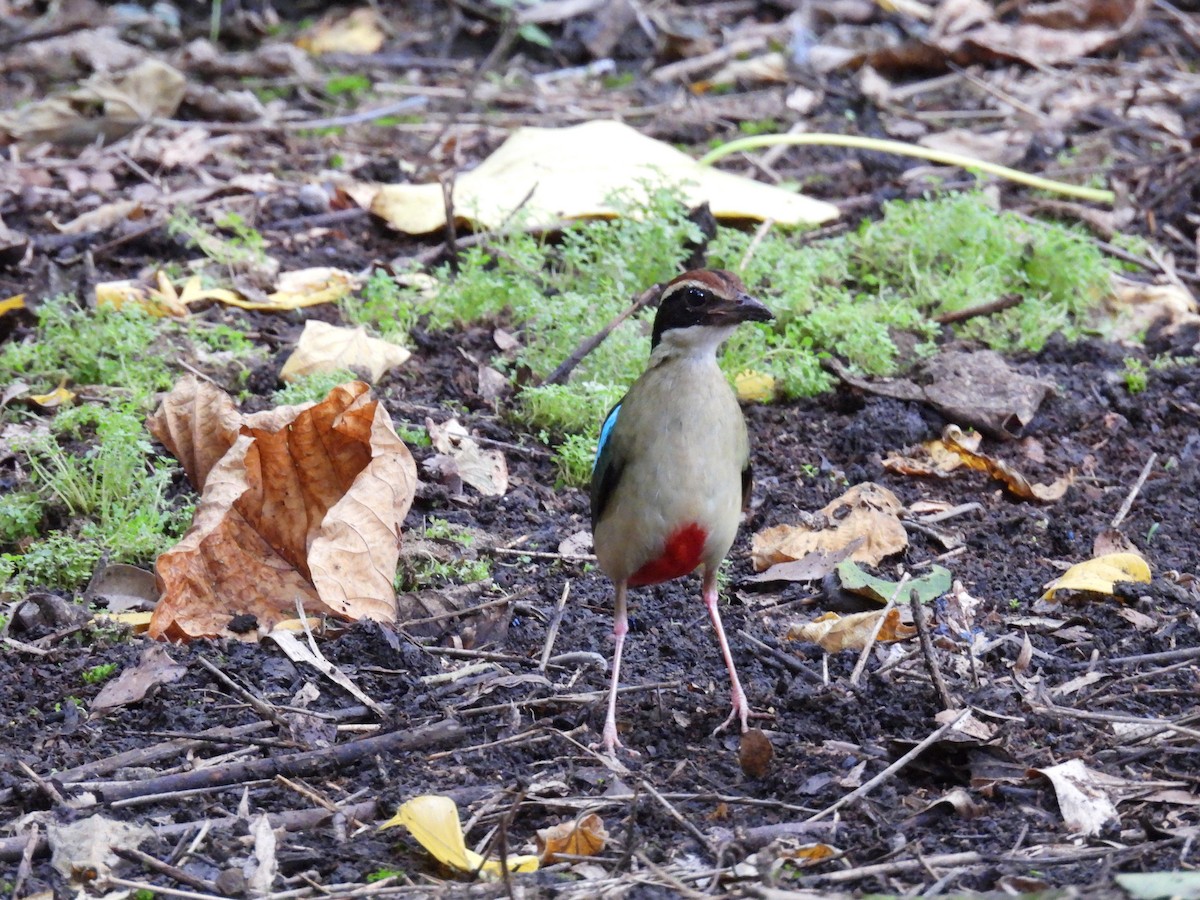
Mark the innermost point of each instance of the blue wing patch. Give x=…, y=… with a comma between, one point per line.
x=606, y=467
x=605, y=432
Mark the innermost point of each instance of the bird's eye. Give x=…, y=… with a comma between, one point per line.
x=695, y=297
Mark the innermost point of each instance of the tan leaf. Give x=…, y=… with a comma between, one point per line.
x=328, y=348
x=305, y=503
x=834, y=633
x=1134, y=306
x=552, y=174
x=581, y=837
x=484, y=470
x=867, y=512
x=155, y=667
x=955, y=440
x=359, y=33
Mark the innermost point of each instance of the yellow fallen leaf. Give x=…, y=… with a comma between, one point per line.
x=433, y=820
x=580, y=837
x=1099, y=575
x=12, y=304
x=556, y=174
x=833, y=632
x=359, y=33
x=60, y=396
x=754, y=387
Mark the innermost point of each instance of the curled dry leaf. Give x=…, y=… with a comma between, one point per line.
x=868, y=513
x=834, y=633
x=581, y=837
x=1100, y=575
x=1018, y=484
x=328, y=348
x=297, y=502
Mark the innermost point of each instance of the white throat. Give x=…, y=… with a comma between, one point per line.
x=696, y=342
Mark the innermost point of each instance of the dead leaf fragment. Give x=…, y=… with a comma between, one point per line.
x=1134, y=306
x=459, y=454
x=755, y=753
x=359, y=33
x=154, y=668
x=1083, y=795
x=976, y=388
x=85, y=850
x=868, y=513
x=1100, y=575
x=556, y=174
x=581, y=837
x=328, y=348
x=835, y=633
x=302, y=502
x=955, y=440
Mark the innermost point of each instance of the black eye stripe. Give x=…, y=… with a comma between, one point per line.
x=696, y=297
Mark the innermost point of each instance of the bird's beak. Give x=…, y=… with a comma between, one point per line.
x=744, y=308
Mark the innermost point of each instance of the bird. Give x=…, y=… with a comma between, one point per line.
x=672, y=472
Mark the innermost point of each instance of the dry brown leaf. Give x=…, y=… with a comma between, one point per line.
x=867, y=512
x=302, y=502
x=553, y=174
x=155, y=667
x=581, y=837
x=328, y=348
x=954, y=439
x=834, y=633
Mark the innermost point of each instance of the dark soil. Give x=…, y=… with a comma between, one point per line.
x=685, y=814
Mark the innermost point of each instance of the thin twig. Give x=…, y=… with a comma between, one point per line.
x=891, y=771
x=1133, y=492
x=552, y=631
x=935, y=672
x=646, y=298
x=1001, y=303
x=870, y=644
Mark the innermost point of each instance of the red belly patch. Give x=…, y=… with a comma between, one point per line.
x=680, y=555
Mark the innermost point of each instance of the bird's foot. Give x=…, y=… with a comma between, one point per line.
x=741, y=712
x=609, y=744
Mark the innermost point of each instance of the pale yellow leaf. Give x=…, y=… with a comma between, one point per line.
x=433, y=820
x=1100, y=575
x=359, y=33
x=328, y=348
x=556, y=174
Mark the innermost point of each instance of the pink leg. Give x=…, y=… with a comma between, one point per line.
x=610, y=741
x=741, y=709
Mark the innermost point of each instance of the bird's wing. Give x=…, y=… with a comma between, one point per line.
x=747, y=484
x=606, y=468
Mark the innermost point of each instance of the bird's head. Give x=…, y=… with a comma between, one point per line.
x=701, y=308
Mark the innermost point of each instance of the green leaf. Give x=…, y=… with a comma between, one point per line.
x=928, y=587
x=1155, y=885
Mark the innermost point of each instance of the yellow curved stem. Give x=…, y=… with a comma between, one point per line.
x=902, y=149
